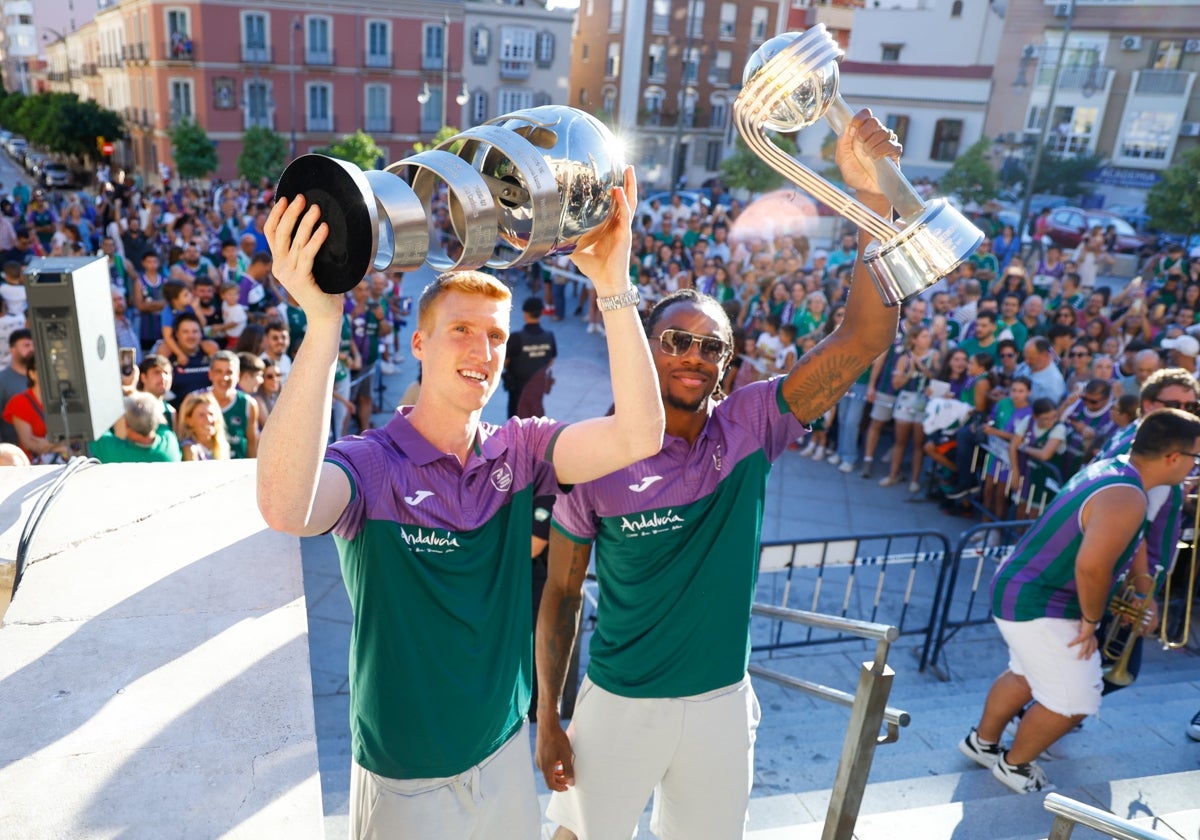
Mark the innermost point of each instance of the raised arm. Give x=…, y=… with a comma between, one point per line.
x=822, y=376
x=557, y=626
x=596, y=447
x=298, y=492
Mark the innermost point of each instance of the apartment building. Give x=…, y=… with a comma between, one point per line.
x=18, y=45
x=665, y=74
x=397, y=69
x=1117, y=81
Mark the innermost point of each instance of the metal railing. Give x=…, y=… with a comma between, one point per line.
x=1068, y=813
x=869, y=711
x=1169, y=82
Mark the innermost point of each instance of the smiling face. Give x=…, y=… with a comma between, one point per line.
x=461, y=348
x=687, y=381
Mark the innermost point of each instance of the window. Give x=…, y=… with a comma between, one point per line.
x=720, y=111
x=660, y=17
x=589, y=8
x=652, y=102
x=956, y=9
x=946, y=134
x=758, y=23
x=513, y=99
x=378, y=97
x=728, y=23
x=691, y=64
x=1071, y=130
x=610, y=101
x=179, y=40
x=433, y=42
x=695, y=19
x=177, y=22
x=317, y=41
x=181, y=101
x=1167, y=55
x=479, y=107
x=712, y=156
x=1148, y=135
x=379, y=43
x=584, y=52
x=481, y=44
x=612, y=66
x=319, y=115
x=689, y=108
x=517, y=43
x=257, y=103
x=253, y=37
x=899, y=124
x=722, y=62
x=616, y=15
x=544, y=49
x=891, y=52
x=431, y=109
x=656, y=62
x=541, y=99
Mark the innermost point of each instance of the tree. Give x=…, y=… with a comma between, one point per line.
x=69, y=126
x=264, y=154
x=8, y=111
x=745, y=170
x=1173, y=204
x=443, y=134
x=195, y=154
x=1064, y=174
x=971, y=176
x=358, y=148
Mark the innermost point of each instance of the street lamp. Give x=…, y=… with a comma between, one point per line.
x=292, y=73
x=464, y=95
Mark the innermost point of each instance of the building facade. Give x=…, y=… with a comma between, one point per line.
x=18, y=45
x=665, y=73
x=1117, y=81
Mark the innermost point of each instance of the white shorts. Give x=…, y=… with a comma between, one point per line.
x=909, y=408
x=695, y=754
x=495, y=798
x=881, y=409
x=1059, y=679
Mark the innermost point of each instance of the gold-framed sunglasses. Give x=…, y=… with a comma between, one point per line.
x=679, y=342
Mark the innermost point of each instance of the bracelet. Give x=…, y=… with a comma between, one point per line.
x=1085, y=618
x=629, y=297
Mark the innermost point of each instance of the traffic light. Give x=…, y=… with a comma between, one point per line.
x=100, y=141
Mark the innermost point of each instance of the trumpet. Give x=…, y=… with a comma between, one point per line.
x=1129, y=613
x=1164, y=633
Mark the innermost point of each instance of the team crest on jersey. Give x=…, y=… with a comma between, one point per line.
x=502, y=478
x=653, y=523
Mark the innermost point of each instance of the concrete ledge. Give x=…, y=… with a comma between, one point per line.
x=154, y=668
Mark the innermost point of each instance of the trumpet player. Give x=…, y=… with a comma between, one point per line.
x=1049, y=595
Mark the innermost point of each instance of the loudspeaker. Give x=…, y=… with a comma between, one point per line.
x=75, y=339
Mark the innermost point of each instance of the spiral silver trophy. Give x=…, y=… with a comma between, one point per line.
x=790, y=82
x=521, y=187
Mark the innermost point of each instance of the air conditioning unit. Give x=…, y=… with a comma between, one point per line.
x=1191, y=45
x=1189, y=129
x=1029, y=51
x=1062, y=10
x=1131, y=42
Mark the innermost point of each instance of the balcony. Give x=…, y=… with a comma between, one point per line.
x=323, y=124
x=378, y=125
x=257, y=54
x=1081, y=78
x=429, y=61
x=718, y=76
x=259, y=120
x=180, y=48
x=89, y=69
x=380, y=60
x=1162, y=82
x=514, y=69
x=319, y=58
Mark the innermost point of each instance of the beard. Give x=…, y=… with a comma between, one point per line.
x=692, y=406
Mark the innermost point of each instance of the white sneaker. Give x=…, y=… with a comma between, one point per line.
x=1023, y=778
x=808, y=449
x=591, y=327
x=914, y=487
x=833, y=460
x=848, y=467
x=819, y=455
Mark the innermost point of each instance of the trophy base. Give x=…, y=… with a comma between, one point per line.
x=931, y=245
x=347, y=206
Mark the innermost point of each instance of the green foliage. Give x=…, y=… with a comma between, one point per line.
x=829, y=148
x=971, y=176
x=264, y=154
x=1173, y=204
x=194, y=153
x=60, y=122
x=444, y=133
x=1064, y=175
x=745, y=170
x=359, y=148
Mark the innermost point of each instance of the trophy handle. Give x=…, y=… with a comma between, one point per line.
x=891, y=180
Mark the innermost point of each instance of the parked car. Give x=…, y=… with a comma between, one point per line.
x=1066, y=227
x=56, y=174
x=33, y=160
x=16, y=147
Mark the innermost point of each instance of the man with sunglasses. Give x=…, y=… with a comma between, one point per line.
x=667, y=707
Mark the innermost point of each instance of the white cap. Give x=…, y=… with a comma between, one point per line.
x=1185, y=344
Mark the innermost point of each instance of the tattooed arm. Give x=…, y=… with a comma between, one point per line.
x=558, y=621
x=824, y=374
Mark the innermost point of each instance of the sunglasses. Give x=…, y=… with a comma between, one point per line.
x=1192, y=407
x=679, y=342
x=1079, y=354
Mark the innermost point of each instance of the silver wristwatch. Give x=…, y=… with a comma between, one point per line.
x=629, y=297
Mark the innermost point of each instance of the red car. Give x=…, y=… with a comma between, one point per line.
x=1067, y=225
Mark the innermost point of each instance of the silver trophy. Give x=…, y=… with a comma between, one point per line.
x=521, y=187
x=790, y=82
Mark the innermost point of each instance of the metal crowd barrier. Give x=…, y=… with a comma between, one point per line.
x=964, y=594
x=899, y=574
x=868, y=710
x=1069, y=813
